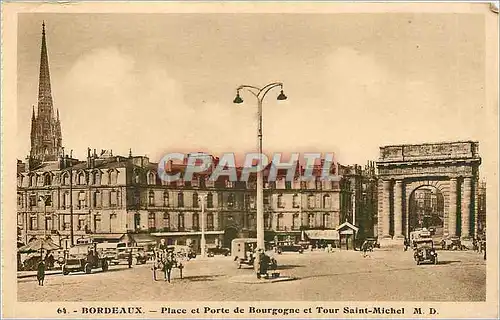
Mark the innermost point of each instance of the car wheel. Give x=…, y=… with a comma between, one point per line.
x=88, y=268
x=65, y=270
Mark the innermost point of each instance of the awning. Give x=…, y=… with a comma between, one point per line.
x=138, y=238
x=322, y=234
x=195, y=233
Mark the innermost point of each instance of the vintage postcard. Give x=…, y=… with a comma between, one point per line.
x=249, y=160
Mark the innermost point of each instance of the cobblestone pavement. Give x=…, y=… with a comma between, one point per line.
x=384, y=275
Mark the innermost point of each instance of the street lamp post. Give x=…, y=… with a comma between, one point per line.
x=260, y=94
x=203, y=242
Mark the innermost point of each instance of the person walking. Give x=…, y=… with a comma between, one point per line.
x=130, y=258
x=40, y=275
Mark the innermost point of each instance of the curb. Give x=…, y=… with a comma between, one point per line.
x=22, y=276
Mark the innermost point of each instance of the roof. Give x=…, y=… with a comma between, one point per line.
x=349, y=225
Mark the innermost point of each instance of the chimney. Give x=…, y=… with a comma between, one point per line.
x=89, y=159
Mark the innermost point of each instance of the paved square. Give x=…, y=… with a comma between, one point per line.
x=339, y=276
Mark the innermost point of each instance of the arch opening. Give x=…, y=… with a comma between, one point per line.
x=426, y=210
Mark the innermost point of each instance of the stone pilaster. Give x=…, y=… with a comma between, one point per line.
x=452, y=218
x=386, y=209
x=466, y=205
x=398, y=209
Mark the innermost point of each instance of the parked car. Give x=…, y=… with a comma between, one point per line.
x=84, y=257
x=243, y=253
x=424, y=251
x=288, y=247
x=372, y=243
x=218, y=251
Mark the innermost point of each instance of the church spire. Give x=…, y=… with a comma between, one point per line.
x=46, y=138
x=44, y=91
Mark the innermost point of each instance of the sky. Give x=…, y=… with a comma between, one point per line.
x=159, y=83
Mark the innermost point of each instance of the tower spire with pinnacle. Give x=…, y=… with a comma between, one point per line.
x=46, y=138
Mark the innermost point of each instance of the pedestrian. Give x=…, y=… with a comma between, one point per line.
x=364, y=248
x=264, y=264
x=168, y=264
x=130, y=258
x=40, y=275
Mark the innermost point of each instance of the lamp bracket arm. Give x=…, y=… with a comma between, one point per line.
x=268, y=88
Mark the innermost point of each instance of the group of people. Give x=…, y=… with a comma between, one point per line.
x=479, y=246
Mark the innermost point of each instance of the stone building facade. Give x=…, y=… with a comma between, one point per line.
x=452, y=169
x=113, y=195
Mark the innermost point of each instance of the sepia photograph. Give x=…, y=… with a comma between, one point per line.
x=240, y=153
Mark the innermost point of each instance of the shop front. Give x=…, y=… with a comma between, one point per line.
x=347, y=236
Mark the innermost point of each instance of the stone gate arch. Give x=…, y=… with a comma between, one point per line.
x=451, y=167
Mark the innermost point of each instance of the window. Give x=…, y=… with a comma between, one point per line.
x=251, y=220
x=151, y=200
x=151, y=178
x=303, y=184
x=96, y=178
x=279, y=222
x=65, y=179
x=311, y=201
x=81, y=224
x=96, y=199
x=266, y=221
x=151, y=221
x=196, y=221
x=47, y=179
x=66, y=222
x=81, y=200
x=252, y=202
x=180, y=222
x=20, y=181
x=113, y=177
x=195, y=200
x=210, y=200
x=296, y=203
x=326, y=201
x=230, y=200
x=113, y=198
x=288, y=185
x=33, y=181
x=166, y=221
x=137, y=221
x=296, y=222
x=210, y=221
x=266, y=199
x=81, y=178
x=319, y=184
x=32, y=200
x=97, y=223
x=281, y=202
x=311, y=220
x=326, y=220
x=165, y=199
x=33, y=223
x=20, y=200
x=180, y=200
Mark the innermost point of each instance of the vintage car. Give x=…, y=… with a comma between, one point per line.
x=424, y=251
x=243, y=253
x=139, y=255
x=218, y=251
x=84, y=257
x=284, y=246
x=372, y=243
